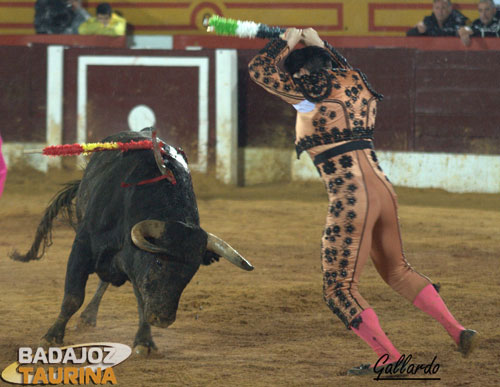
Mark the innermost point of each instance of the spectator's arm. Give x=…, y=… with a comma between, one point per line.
x=465, y=33
x=88, y=27
x=120, y=27
x=41, y=17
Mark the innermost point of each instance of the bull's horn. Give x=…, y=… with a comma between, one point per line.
x=218, y=246
x=157, y=154
x=148, y=228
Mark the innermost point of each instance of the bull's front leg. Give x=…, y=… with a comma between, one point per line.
x=143, y=342
x=88, y=318
x=74, y=291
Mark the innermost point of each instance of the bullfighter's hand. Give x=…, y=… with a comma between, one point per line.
x=421, y=27
x=292, y=36
x=310, y=37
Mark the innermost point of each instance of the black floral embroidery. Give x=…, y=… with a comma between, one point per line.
x=348, y=175
x=347, y=133
x=329, y=167
x=351, y=215
x=337, y=209
x=352, y=187
x=339, y=181
x=355, y=322
x=274, y=48
x=350, y=229
x=351, y=200
x=315, y=86
x=346, y=162
x=334, y=135
x=379, y=96
x=374, y=156
x=341, y=60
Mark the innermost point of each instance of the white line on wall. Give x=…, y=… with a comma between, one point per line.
x=201, y=62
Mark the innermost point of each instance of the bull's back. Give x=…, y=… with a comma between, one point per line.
x=110, y=196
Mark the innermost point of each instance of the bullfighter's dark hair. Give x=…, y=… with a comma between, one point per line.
x=61, y=202
x=104, y=9
x=312, y=58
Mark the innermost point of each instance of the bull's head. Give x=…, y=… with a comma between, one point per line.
x=170, y=239
x=178, y=249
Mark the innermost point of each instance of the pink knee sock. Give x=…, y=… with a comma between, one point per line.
x=371, y=332
x=429, y=301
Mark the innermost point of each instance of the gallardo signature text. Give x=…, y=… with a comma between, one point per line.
x=403, y=366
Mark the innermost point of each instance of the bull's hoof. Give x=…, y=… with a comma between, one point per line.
x=45, y=343
x=84, y=324
x=145, y=351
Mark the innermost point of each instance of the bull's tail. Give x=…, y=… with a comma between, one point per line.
x=61, y=202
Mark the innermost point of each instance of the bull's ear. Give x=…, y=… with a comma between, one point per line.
x=174, y=238
x=181, y=239
x=210, y=257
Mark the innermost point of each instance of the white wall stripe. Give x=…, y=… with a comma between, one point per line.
x=203, y=87
x=226, y=96
x=54, y=117
x=450, y=171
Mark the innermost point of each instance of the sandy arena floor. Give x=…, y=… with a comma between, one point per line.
x=269, y=327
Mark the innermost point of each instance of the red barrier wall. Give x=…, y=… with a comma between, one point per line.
x=23, y=84
x=436, y=100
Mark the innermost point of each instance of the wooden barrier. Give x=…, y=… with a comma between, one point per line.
x=444, y=99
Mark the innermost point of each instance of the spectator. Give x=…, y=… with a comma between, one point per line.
x=487, y=25
x=444, y=21
x=59, y=16
x=106, y=22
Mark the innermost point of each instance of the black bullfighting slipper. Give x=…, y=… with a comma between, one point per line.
x=367, y=369
x=363, y=369
x=468, y=341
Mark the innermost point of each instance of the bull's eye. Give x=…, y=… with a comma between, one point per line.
x=158, y=263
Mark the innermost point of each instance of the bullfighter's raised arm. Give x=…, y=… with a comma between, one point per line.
x=264, y=69
x=311, y=38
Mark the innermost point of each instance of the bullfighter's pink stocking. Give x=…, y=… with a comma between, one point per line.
x=371, y=332
x=429, y=301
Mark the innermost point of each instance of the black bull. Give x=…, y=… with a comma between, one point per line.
x=132, y=224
